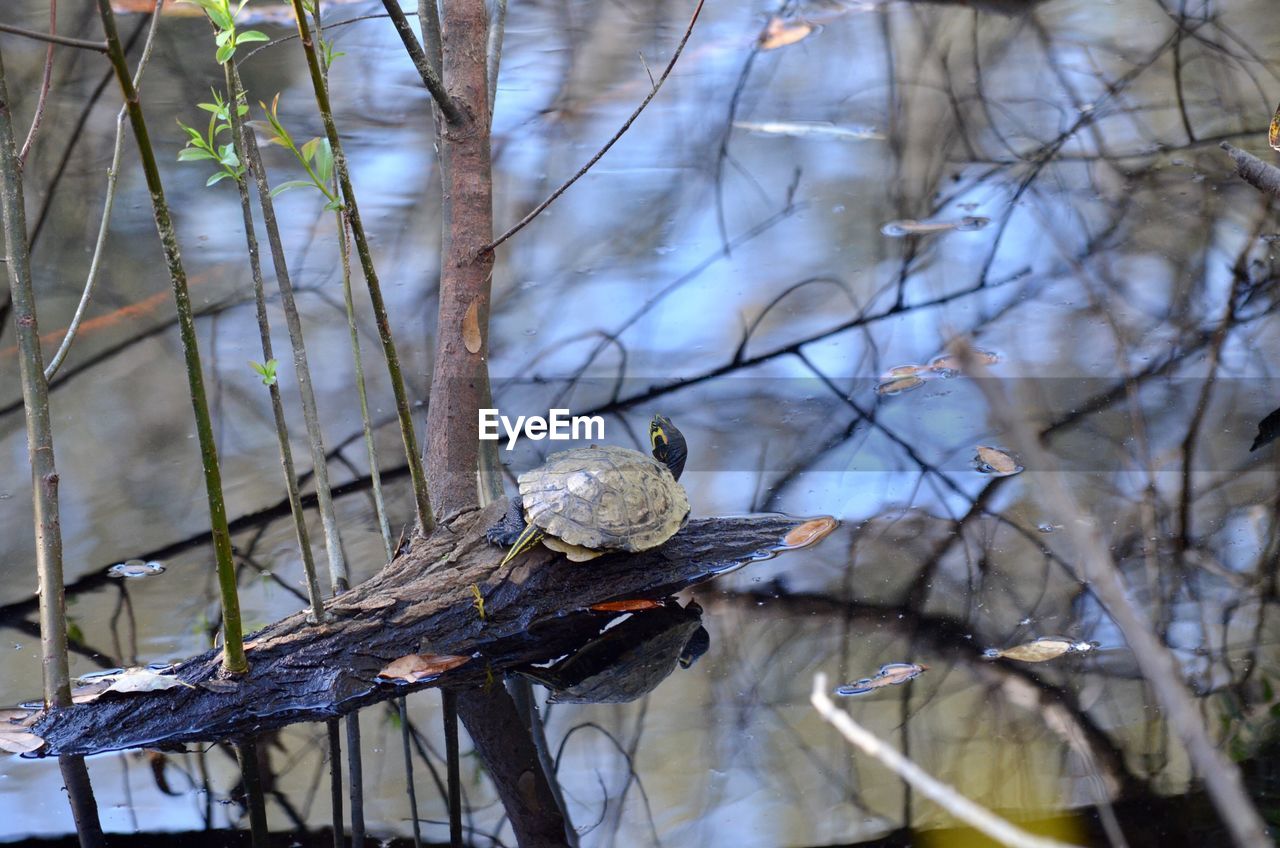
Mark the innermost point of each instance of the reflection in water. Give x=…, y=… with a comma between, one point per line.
x=1125, y=277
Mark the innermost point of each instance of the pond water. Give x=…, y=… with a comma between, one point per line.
x=778, y=232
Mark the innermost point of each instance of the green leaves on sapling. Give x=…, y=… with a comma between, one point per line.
x=266, y=370
x=223, y=17
x=206, y=146
x=315, y=156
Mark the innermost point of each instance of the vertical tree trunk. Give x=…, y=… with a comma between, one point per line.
x=460, y=381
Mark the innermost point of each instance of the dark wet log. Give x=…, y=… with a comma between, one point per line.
x=421, y=602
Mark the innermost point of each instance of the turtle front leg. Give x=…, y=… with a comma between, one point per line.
x=508, y=529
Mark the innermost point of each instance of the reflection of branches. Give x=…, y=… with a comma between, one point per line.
x=653, y=92
x=940, y=793
x=631, y=774
x=1158, y=664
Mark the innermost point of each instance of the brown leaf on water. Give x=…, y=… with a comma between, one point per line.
x=1273, y=132
x=810, y=533
x=1040, y=650
x=19, y=741
x=890, y=674
x=898, y=385
x=625, y=606
x=415, y=667
x=471, y=328
x=996, y=462
x=780, y=32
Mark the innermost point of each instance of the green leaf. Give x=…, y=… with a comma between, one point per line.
x=225, y=52
x=324, y=161
x=193, y=154
x=208, y=107
x=251, y=35
x=334, y=206
x=221, y=18
x=283, y=187
x=74, y=633
x=223, y=37
x=309, y=148
x=217, y=178
x=266, y=370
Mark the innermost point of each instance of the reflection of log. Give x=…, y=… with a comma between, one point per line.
x=421, y=601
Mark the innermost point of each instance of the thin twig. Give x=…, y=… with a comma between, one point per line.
x=108, y=204
x=426, y=521
x=942, y=794
x=293, y=36
x=35, y=399
x=240, y=138
x=366, y=421
x=338, y=579
x=45, y=79
x=405, y=738
x=666, y=72
x=1098, y=569
x=233, y=639
x=82, y=44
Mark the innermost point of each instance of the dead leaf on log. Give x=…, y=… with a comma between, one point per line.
x=415, y=668
x=19, y=741
x=1273, y=132
x=780, y=32
x=625, y=606
x=16, y=715
x=810, y=533
x=127, y=682
x=471, y=327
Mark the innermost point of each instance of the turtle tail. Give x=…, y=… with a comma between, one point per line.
x=530, y=536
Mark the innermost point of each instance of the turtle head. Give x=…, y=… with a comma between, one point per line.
x=668, y=444
x=697, y=645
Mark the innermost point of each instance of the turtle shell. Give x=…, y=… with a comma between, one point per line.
x=604, y=498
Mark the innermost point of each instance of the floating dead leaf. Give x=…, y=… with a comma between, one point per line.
x=809, y=129
x=911, y=227
x=133, y=568
x=415, y=667
x=995, y=462
x=1041, y=650
x=19, y=741
x=904, y=371
x=634, y=605
x=780, y=32
x=809, y=533
x=898, y=385
x=471, y=327
x=1273, y=132
x=891, y=674
x=946, y=365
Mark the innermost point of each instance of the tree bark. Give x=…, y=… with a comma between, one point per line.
x=460, y=380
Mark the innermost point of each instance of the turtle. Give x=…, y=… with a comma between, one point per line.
x=585, y=502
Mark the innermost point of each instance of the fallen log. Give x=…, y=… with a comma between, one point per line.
x=426, y=600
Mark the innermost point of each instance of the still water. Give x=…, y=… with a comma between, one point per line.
x=775, y=256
